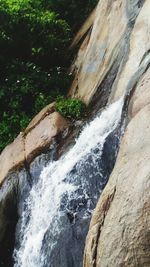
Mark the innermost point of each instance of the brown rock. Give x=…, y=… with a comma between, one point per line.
x=32, y=142
x=41, y=136
x=141, y=96
x=139, y=46
x=119, y=232
x=12, y=157
x=112, y=42
x=40, y=116
x=86, y=26
x=100, y=54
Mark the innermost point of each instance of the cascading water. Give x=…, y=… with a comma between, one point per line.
x=60, y=194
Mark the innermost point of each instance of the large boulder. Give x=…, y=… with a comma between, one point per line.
x=40, y=116
x=12, y=157
x=37, y=137
x=119, y=233
x=42, y=135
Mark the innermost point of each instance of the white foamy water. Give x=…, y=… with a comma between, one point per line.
x=44, y=200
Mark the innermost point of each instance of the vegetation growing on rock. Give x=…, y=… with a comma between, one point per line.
x=70, y=107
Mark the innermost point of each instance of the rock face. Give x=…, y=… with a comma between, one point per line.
x=138, y=53
x=141, y=97
x=119, y=233
x=113, y=51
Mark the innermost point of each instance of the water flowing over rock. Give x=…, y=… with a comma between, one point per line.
x=60, y=203
x=16, y=173
x=50, y=184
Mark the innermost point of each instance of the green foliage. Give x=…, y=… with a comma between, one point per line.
x=34, y=36
x=70, y=107
x=32, y=33
x=24, y=91
x=11, y=124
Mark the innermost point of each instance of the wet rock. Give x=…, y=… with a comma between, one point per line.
x=69, y=248
x=12, y=195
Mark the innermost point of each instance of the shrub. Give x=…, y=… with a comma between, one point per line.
x=70, y=107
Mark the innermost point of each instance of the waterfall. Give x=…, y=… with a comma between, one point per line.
x=61, y=190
